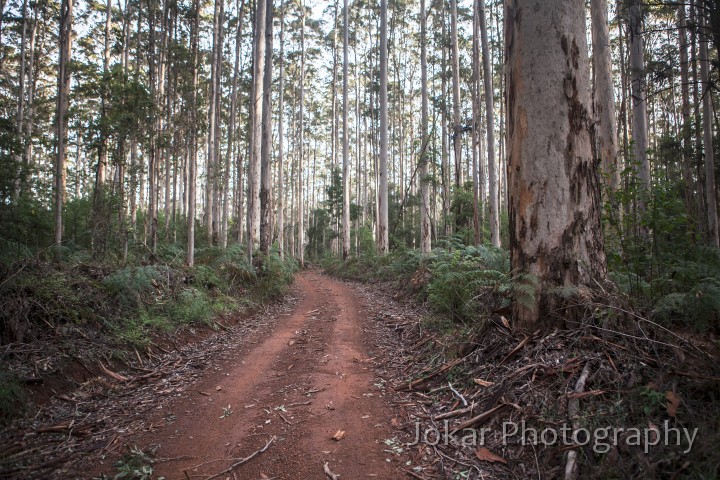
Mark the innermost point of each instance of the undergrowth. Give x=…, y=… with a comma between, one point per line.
x=69, y=299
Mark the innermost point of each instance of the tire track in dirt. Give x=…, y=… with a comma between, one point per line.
x=308, y=380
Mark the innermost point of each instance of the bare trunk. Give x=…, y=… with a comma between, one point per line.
x=256, y=99
x=713, y=236
x=604, y=95
x=65, y=37
x=383, y=241
x=281, y=138
x=266, y=150
x=490, y=119
x=425, y=226
x=457, y=127
x=639, y=95
x=555, y=232
x=301, y=122
x=192, y=160
x=686, y=125
x=346, y=140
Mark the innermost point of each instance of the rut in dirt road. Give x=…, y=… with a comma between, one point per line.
x=311, y=379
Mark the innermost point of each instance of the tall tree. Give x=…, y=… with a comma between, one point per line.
x=604, y=94
x=711, y=201
x=457, y=126
x=639, y=93
x=555, y=231
x=425, y=226
x=266, y=150
x=256, y=104
x=383, y=242
x=63, y=82
x=301, y=143
x=192, y=157
x=281, y=138
x=346, y=139
x=490, y=119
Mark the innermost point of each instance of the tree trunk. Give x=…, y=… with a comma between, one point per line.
x=346, y=139
x=383, y=240
x=281, y=137
x=713, y=235
x=490, y=119
x=457, y=126
x=192, y=160
x=256, y=99
x=266, y=151
x=425, y=227
x=685, y=109
x=555, y=231
x=65, y=40
x=301, y=124
x=604, y=95
x=639, y=95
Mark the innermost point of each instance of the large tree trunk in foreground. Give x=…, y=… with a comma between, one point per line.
x=346, y=141
x=555, y=231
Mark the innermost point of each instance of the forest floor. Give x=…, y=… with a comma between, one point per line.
x=338, y=378
x=301, y=379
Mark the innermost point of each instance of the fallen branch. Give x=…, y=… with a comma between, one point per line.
x=331, y=475
x=430, y=376
x=480, y=418
x=244, y=460
x=571, y=468
x=112, y=374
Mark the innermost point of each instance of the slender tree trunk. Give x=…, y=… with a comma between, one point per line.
x=555, y=231
x=444, y=144
x=301, y=126
x=686, y=125
x=604, y=95
x=266, y=151
x=65, y=38
x=346, y=139
x=281, y=139
x=192, y=160
x=383, y=240
x=490, y=120
x=425, y=226
x=256, y=99
x=713, y=236
x=639, y=95
x=457, y=126
x=233, y=148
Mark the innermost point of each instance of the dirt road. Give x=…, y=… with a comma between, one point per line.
x=311, y=378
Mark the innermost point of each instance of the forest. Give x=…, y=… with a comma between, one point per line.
x=507, y=210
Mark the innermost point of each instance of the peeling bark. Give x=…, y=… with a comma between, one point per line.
x=554, y=208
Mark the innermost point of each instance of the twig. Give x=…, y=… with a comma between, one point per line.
x=571, y=468
x=459, y=395
x=480, y=418
x=244, y=460
x=331, y=475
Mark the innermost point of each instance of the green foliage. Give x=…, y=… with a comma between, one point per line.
x=137, y=285
x=12, y=397
x=135, y=465
x=655, y=256
x=274, y=276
